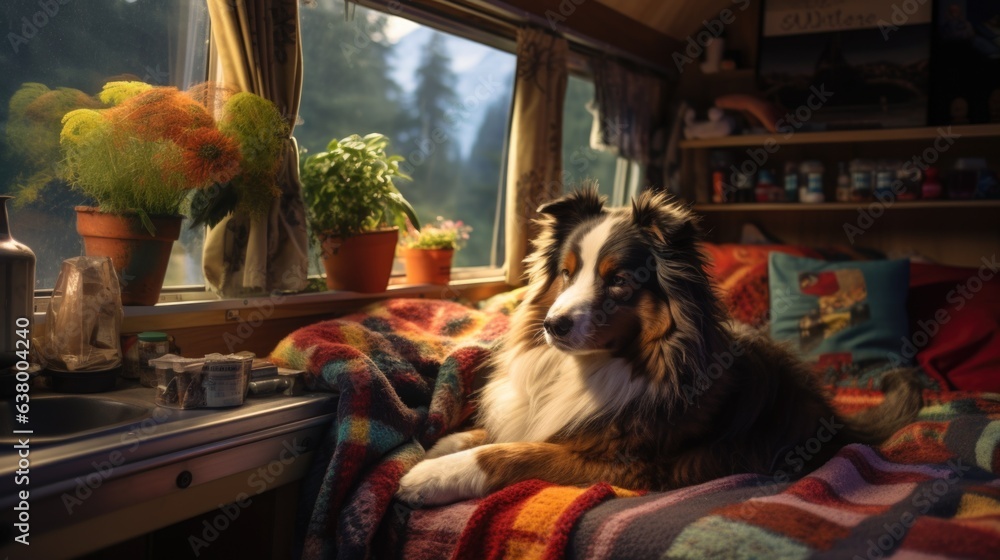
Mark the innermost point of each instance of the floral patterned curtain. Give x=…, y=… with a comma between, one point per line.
x=534, y=161
x=631, y=114
x=259, y=50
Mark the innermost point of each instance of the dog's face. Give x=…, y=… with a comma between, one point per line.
x=609, y=271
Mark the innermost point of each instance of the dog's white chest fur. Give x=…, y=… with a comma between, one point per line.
x=545, y=390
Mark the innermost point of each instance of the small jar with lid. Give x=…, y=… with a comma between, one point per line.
x=151, y=345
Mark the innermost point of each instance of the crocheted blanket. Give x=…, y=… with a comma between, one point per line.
x=404, y=370
x=931, y=491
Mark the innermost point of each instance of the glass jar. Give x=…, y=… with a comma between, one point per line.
x=151, y=345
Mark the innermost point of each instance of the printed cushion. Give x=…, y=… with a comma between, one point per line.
x=847, y=317
x=739, y=272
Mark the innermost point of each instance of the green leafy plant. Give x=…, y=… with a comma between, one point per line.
x=349, y=188
x=443, y=234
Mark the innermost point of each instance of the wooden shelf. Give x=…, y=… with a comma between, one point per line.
x=840, y=206
x=845, y=136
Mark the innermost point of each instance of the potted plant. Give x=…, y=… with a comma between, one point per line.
x=355, y=210
x=428, y=251
x=138, y=160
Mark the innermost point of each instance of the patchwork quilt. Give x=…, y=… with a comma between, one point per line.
x=404, y=370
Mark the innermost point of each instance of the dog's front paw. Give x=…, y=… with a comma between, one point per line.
x=443, y=480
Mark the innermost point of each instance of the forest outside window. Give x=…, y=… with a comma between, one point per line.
x=443, y=101
x=82, y=45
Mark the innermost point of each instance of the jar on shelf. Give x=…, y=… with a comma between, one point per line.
x=885, y=180
x=811, y=190
x=861, y=180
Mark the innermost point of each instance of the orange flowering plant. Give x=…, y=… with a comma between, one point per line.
x=152, y=146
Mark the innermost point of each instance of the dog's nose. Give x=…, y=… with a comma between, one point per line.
x=558, y=326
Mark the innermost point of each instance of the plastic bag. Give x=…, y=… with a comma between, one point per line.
x=84, y=320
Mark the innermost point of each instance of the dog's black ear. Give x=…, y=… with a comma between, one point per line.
x=665, y=223
x=575, y=206
x=557, y=220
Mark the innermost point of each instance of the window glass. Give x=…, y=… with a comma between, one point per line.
x=580, y=161
x=443, y=101
x=82, y=45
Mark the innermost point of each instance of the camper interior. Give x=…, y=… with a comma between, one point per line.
x=257, y=257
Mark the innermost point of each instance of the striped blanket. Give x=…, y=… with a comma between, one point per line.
x=404, y=370
x=932, y=491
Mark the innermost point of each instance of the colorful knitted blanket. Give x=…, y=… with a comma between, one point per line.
x=932, y=491
x=404, y=370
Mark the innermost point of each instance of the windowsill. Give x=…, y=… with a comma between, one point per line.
x=196, y=308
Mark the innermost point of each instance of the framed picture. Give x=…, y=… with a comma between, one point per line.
x=965, y=64
x=870, y=56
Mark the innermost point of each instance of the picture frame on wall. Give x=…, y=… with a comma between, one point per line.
x=872, y=57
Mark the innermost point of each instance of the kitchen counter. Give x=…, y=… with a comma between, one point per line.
x=143, y=474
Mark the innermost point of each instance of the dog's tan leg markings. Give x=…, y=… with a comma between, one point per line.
x=456, y=442
x=559, y=463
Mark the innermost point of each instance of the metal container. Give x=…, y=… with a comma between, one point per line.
x=17, y=292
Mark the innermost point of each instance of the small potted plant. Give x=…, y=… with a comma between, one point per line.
x=355, y=210
x=428, y=251
x=139, y=159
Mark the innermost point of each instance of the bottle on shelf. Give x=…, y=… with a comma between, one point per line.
x=766, y=190
x=909, y=179
x=719, y=162
x=843, y=183
x=885, y=180
x=791, y=181
x=811, y=190
x=931, y=188
x=744, y=186
x=861, y=180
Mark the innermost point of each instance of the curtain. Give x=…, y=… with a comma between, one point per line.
x=534, y=160
x=259, y=50
x=632, y=115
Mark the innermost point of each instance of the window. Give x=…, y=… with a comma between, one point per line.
x=580, y=161
x=443, y=101
x=82, y=45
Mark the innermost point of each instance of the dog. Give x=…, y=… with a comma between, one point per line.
x=621, y=366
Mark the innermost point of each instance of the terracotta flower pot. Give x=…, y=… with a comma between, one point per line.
x=428, y=266
x=140, y=259
x=361, y=263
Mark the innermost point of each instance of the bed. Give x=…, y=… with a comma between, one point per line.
x=405, y=371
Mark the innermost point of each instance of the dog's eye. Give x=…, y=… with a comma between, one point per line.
x=619, y=281
x=565, y=274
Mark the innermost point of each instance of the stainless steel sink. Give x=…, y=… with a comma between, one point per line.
x=61, y=417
